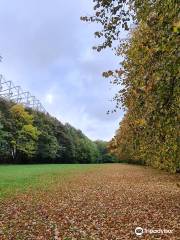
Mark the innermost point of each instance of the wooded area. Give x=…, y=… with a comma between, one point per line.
x=28, y=136
x=148, y=78
x=72, y=197
x=149, y=93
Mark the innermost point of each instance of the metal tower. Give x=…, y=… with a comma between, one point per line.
x=14, y=93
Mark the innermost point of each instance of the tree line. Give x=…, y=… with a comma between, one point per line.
x=148, y=76
x=28, y=136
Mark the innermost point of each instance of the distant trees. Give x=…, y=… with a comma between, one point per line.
x=27, y=136
x=104, y=156
x=47, y=146
x=85, y=151
x=149, y=78
x=3, y=141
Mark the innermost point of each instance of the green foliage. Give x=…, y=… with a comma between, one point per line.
x=3, y=140
x=149, y=78
x=26, y=140
x=28, y=136
x=85, y=151
x=24, y=135
x=104, y=155
x=48, y=146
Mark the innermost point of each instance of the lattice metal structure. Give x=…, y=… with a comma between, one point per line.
x=11, y=92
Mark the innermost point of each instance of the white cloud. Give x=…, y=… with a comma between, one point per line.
x=48, y=51
x=49, y=98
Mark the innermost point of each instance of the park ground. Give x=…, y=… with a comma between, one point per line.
x=105, y=202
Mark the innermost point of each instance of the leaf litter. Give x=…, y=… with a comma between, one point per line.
x=105, y=204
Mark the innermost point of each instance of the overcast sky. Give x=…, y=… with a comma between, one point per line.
x=47, y=50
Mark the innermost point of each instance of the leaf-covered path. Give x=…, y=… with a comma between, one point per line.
x=108, y=202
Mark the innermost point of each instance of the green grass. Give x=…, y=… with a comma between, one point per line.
x=16, y=179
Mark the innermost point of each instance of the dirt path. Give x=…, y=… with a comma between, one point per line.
x=107, y=203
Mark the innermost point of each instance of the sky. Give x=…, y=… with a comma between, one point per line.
x=47, y=50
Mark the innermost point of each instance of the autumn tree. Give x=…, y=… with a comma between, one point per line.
x=24, y=135
x=148, y=77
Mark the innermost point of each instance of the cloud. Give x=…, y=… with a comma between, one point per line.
x=48, y=51
x=49, y=98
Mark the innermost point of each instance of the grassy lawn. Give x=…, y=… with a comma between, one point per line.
x=16, y=179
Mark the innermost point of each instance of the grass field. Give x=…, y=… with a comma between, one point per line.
x=87, y=202
x=16, y=179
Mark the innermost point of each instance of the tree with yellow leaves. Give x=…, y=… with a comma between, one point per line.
x=24, y=135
